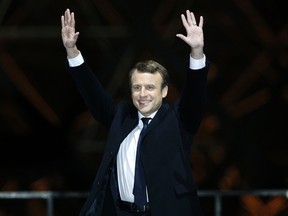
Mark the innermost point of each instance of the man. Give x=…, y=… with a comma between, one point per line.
x=169, y=188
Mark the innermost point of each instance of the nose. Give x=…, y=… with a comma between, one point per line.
x=143, y=92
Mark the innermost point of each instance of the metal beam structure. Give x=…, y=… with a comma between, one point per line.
x=244, y=127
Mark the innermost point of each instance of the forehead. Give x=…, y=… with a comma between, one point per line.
x=146, y=78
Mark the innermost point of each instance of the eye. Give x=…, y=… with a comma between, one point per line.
x=150, y=87
x=136, y=88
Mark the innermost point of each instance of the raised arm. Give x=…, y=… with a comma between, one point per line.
x=194, y=37
x=194, y=93
x=69, y=36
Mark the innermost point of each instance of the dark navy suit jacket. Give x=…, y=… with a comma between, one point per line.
x=166, y=145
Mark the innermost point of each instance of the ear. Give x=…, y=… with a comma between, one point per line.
x=165, y=91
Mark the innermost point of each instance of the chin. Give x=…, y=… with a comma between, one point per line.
x=144, y=112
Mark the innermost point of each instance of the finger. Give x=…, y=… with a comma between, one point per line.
x=181, y=36
x=67, y=12
x=189, y=18
x=72, y=20
x=184, y=21
x=193, y=18
x=201, y=22
x=76, y=35
x=67, y=17
x=62, y=21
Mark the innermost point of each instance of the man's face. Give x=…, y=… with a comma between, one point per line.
x=146, y=92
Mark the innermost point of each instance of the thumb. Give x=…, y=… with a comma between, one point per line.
x=76, y=36
x=181, y=36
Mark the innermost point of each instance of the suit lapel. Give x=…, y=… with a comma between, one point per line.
x=157, y=118
x=129, y=123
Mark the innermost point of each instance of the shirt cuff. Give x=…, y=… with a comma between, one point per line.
x=196, y=64
x=76, y=61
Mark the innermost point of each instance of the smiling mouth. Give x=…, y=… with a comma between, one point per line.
x=144, y=103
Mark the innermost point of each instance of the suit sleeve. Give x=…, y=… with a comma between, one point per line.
x=98, y=101
x=193, y=99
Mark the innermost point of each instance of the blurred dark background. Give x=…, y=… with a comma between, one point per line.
x=48, y=140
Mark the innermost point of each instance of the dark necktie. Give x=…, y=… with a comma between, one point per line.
x=139, y=190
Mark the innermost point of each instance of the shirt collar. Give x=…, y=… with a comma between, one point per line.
x=140, y=123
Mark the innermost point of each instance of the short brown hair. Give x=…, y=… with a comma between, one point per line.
x=151, y=66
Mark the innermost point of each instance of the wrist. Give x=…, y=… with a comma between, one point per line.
x=197, y=53
x=72, y=52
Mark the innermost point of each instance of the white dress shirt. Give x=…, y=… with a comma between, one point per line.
x=126, y=159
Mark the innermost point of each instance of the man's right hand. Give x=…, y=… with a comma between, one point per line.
x=69, y=36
